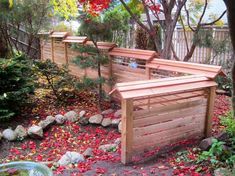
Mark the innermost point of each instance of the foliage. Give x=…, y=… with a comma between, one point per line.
x=16, y=84
x=61, y=27
x=222, y=153
x=225, y=83
x=24, y=15
x=57, y=79
x=203, y=38
x=67, y=9
x=229, y=122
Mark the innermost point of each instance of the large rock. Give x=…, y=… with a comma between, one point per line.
x=96, y=119
x=82, y=113
x=47, y=122
x=84, y=121
x=21, y=132
x=115, y=122
x=72, y=116
x=35, y=131
x=108, y=147
x=106, y=122
x=70, y=158
x=118, y=113
x=88, y=152
x=60, y=119
x=222, y=172
x=106, y=112
x=205, y=144
x=120, y=127
x=222, y=137
x=9, y=134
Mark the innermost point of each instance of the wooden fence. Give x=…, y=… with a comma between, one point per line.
x=156, y=110
x=219, y=54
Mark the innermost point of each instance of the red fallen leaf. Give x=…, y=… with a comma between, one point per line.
x=32, y=145
x=15, y=151
x=24, y=146
x=100, y=170
x=39, y=158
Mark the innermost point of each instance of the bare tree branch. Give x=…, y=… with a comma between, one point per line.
x=213, y=22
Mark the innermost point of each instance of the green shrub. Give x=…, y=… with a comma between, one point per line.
x=58, y=79
x=229, y=122
x=16, y=83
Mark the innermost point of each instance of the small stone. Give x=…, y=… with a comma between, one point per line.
x=35, y=131
x=71, y=158
x=205, y=144
x=21, y=132
x=115, y=122
x=47, y=122
x=106, y=122
x=108, y=147
x=106, y=112
x=9, y=134
x=96, y=119
x=84, y=121
x=118, y=113
x=117, y=141
x=82, y=113
x=120, y=127
x=222, y=172
x=72, y=116
x=88, y=152
x=60, y=119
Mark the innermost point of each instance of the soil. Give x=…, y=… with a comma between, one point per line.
x=74, y=137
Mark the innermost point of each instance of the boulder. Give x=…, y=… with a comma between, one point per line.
x=9, y=134
x=21, y=132
x=205, y=144
x=71, y=158
x=72, y=116
x=120, y=127
x=96, y=119
x=60, y=119
x=222, y=137
x=222, y=172
x=118, y=113
x=106, y=112
x=115, y=122
x=84, y=121
x=82, y=113
x=106, y=122
x=108, y=147
x=47, y=122
x=35, y=131
x=88, y=152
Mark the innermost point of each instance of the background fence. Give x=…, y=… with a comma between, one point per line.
x=220, y=53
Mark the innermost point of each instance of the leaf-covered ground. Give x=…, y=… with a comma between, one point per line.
x=73, y=137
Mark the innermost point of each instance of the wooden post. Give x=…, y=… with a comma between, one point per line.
x=210, y=108
x=52, y=49
x=148, y=73
x=127, y=130
x=66, y=53
x=110, y=73
x=41, y=46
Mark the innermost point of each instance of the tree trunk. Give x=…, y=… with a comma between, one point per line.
x=230, y=4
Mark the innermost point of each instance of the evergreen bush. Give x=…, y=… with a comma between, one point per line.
x=16, y=84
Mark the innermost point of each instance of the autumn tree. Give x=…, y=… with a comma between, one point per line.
x=230, y=4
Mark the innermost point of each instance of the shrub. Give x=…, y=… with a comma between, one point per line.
x=58, y=79
x=16, y=83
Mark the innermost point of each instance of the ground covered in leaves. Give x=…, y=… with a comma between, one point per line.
x=73, y=137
